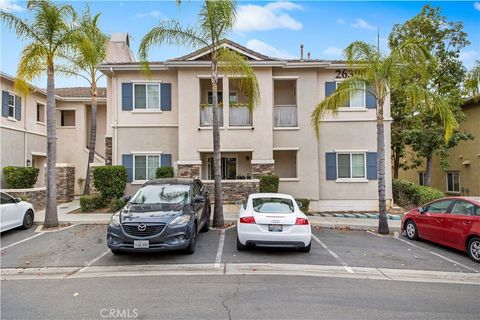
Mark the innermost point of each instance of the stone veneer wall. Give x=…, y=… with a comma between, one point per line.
x=65, y=183
x=234, y=190
x=36, y=196
x=108, y=151
x=262, y=169
x=188, y=170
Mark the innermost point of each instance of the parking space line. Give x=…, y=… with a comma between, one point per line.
x=333, y=254
x=221, y=241
x=22, y=241
x=438, y=255
x=378, y=235
x=100, y=256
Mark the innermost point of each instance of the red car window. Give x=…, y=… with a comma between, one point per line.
x=439, y=206
x=463, y=208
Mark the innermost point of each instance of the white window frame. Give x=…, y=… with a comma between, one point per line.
x=364, y=166
x=146, y=84
x=44, y=113
x=14, y=105
x=146, y=164
x=350, y=99
x=446, y=181
x=424, y=177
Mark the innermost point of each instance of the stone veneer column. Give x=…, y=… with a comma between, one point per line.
x=65, y=182
x=188, y=170
x=262, y=168
x=108, y=151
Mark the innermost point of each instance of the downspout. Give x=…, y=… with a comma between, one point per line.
x=25, y=139
x=115, y=118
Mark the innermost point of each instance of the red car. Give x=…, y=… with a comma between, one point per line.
x=452, y=222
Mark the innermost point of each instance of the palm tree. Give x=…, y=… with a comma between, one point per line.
x=215, y=20
x=377, y=73
x=50, y=33
x=90, y=49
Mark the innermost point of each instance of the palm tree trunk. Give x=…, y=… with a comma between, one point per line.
x=382, y=203
x=93, y=138
x=217, y=162
x=428, y=171
x=51, y=217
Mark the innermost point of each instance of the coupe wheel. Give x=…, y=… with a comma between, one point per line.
x=307, y=248
x=411, y=230
x=28, y=220
x=474, y=249
x=240, y=246
x=193, y=241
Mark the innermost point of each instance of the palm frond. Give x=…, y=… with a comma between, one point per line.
x=22, y=28
x=217, y=17
x=32, y=63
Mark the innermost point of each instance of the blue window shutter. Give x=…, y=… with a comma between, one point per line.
x=127, y=96
x=166, y=160
x=127, y=161
x=331, y=165
x=4, y=103
x=371, y=165
x=330, y=88
x=18, y=108
x=166, y=97
x=371, y=101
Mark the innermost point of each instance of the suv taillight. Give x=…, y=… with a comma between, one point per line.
x=301, y=221
x=249, y=219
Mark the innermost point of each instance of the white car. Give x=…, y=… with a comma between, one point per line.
x=273, y=220
x=15, y=213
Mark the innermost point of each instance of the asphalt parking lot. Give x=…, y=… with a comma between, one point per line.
x=85, y=245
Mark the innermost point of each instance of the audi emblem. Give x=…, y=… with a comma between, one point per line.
x=141, y=227
x=275, y=221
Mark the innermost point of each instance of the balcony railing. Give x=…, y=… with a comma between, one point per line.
x=206, y=115
x=239, y=115
x=285, y=116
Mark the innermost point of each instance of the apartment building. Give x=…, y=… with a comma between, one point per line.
x=165, y=119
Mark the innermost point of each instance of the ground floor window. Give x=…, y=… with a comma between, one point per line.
x=422, y=178
x=453, y=182
x=351, y=165
x=285, y=163
x=145, y=166
x=229, y=168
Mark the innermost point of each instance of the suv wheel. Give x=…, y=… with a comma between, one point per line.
x=193, y=241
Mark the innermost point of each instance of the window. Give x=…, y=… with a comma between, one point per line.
x=40, y=112
x=229, y=168
x=422, y=178
x=5, y=198
x=285, y=163
x=463, y=208
x=453, y=182
x=67, y=118
x=146, y=96
x=162, y=194
x=219, y=97
x=273, y=205
x=232, y=98
x=11, y=105
x=351, y=165
x=145, y=166
x=357, y=99
x=439, y=206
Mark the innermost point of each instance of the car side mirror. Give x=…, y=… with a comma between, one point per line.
x=421, y=210
x=199, y=199
x=127, y=198
x=17, y=200
x=299, y=204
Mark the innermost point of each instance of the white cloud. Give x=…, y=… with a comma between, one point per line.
x=267, y=49
x=333, y=52
x=362, y=24
x=152, y=14
x=476, y=5
x=10, y=6
x=468, y=58
x=269, y=17
x=340, y=21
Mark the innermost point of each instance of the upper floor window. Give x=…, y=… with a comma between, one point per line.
x=357, y=99
x=67, y=118
x=40, y=112
x=422, y=178
x=11, y=105
x=351, y=165
x=146, y=96
x=453, y=182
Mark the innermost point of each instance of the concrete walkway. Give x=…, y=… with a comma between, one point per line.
x=230, y=216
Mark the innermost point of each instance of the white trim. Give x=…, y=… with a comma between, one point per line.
x=446, y=182
x=11, y=118
x=189, y=162
x=289, y=179
x=285, y=77
x=262, y=161
x=23, y=130
x=149, y=111
x=241, y=128
x=351, y=150
x=210, y=128
x=44, y=104
x=207, y=76
x=204, y=53
x=226, y=150
x=39, y=154
x=40, y=123
x=145, y=126
x=11, y=93
x=146, y=153
x=67, y=108
x=143, y=81
x=286, y=128
x=351, y=178
x=138, y=181
x=353, y=109
x=355, y=120
x=286, y=148
x=146, y=84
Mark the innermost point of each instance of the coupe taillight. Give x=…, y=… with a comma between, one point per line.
x=249, y=219
x=301, y=221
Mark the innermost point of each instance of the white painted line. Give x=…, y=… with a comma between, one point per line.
x=333, y=254
x=100, y=256
x=231, y=227
x=376, y=234
x=439, y=255
x=22, y=241
x=40, y=228
x=218, y=257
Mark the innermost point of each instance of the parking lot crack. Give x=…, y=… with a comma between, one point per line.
x=384, y=274
x=231, y=296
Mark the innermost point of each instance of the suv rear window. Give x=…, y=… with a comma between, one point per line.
x=273, y=205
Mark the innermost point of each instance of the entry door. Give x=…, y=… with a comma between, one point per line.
x=457, y=223
x=430, y=223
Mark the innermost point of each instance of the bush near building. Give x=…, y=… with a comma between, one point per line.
x=269, y=183
x=116, y=204
x=110, y=181
x=305, y=204
x=90, y=203
x=406, y=192
x=20, y=177
x=164, y=172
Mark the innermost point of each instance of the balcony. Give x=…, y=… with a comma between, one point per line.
x=206, y=115
x=285, y=103
x=285, y=116
x=239, y=115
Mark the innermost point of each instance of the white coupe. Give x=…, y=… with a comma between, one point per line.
x=15, y=213
x=273, y=220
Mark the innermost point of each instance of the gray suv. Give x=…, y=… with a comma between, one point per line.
x=164, y=214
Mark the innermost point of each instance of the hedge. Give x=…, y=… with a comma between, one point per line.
x=164, y=172
x=305, y=204
x=20, y=177
x=269, y=183
x=110, y=181
x=90, y=203
x=406, y=192
x=116, y=204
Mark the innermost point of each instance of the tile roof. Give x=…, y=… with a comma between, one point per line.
x=79, y=92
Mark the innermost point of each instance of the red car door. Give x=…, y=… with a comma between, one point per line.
x=430, y=222
x=458, y=223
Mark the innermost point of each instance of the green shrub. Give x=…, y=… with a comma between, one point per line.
x=20, y=177
x=116, y=204
x=269, y=183
x=164, y=172
x=406, y=192
x=110, y=181
x=90, y=203
x=305, y=204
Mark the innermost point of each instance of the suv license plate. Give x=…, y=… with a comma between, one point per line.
x=275, y=227
x=141, y=244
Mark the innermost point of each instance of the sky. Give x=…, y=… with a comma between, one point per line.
x=276, y=29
